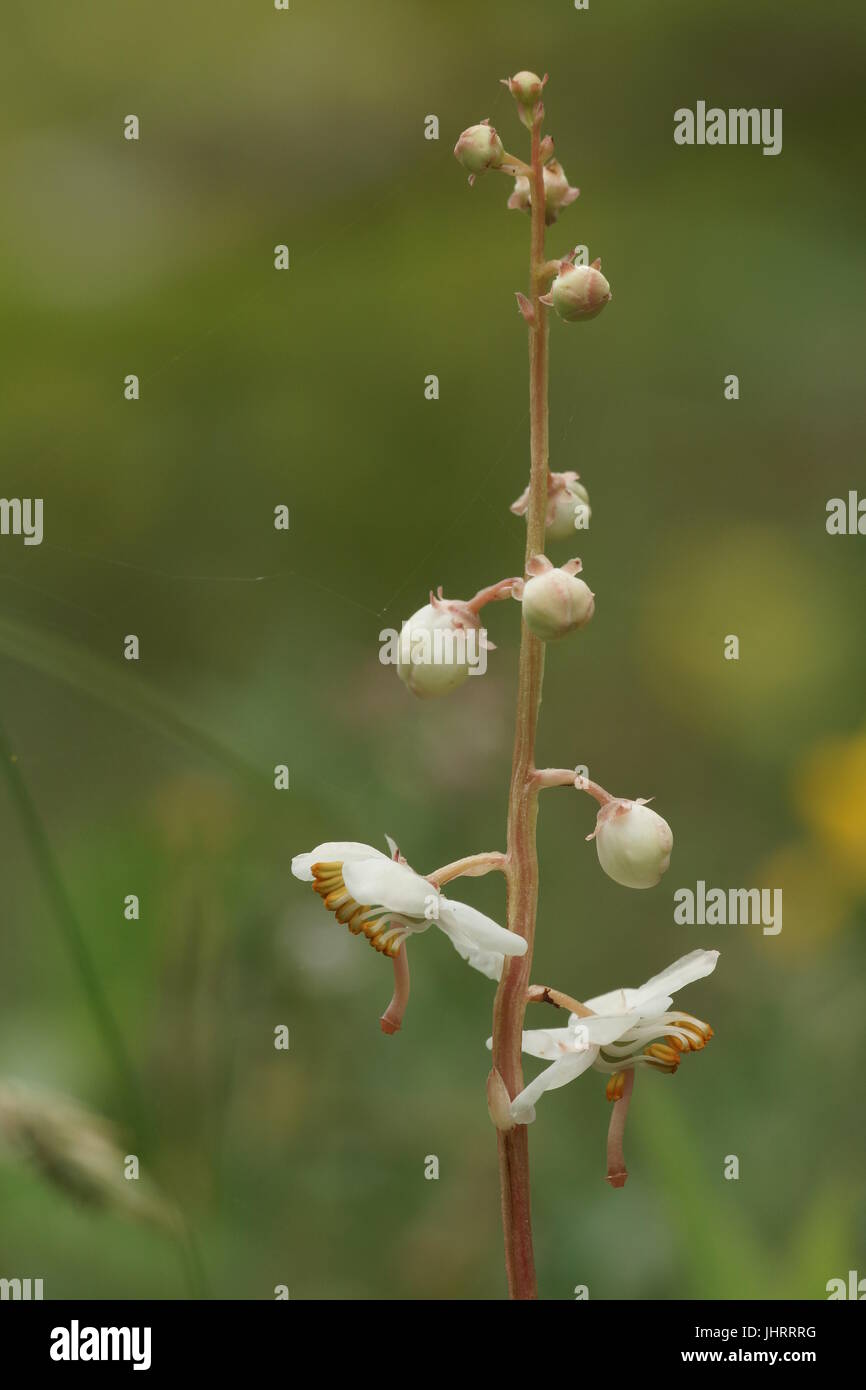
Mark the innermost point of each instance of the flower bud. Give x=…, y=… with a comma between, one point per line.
x=579, y=292
x=444, y=642
x=555, y=602
x=526, y=88
x=558, y=193
x=634, y=843
x=568, y=508
x=521, y=197
x=479, y=148
x=436, y=647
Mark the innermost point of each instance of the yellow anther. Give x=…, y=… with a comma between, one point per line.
x=662, y=1053
x=356, y=922
x=329, y=884
x=615, y=1086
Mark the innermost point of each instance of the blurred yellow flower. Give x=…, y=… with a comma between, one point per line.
x=817, y=904
x=830, y=794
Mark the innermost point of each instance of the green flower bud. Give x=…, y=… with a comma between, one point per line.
x=579, y=292
x=436, y=648
x=479, y=148
x=555, y=601
x=568, y=508
x=558, y=192
x=526, y=88
x=443, y=644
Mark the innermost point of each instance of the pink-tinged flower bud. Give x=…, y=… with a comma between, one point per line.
x=634, y=843
x=555, y=601
x=558, y=193
x=442, y=644
x=526, y=88
x=521, y=197
x=479, y=148
x=436, y=646
x=568, y=508
x=579, y=292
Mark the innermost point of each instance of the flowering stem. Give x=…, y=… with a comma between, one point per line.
x=492, y=593
x=473, y=866
x=566, y=777
x=603, y=798
x=555, y=777
x=522, y=858
x=543, y=994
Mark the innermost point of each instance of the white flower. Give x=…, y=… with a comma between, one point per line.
x=387, y=901
x=621, y=1032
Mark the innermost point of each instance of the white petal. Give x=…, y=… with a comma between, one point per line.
x=489, y=963
x=485, y=933
x=548, y=1043
x=606, y=1029
x=559, y=1074
x=334, y=851
x=616, y=1001
x=654, y=997
x=694, y=966
x=380, y=882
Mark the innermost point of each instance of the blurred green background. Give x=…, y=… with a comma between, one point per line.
x=305, y=388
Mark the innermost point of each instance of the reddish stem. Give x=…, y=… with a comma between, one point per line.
x=522, y=859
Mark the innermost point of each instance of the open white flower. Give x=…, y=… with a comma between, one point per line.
x=622, y=1031
x=385, y=899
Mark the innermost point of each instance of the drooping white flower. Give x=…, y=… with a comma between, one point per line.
x=621, y=1031
x=385, y=899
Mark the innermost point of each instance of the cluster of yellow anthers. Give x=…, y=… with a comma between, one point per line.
x=328, y=883
x=692, y=1035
